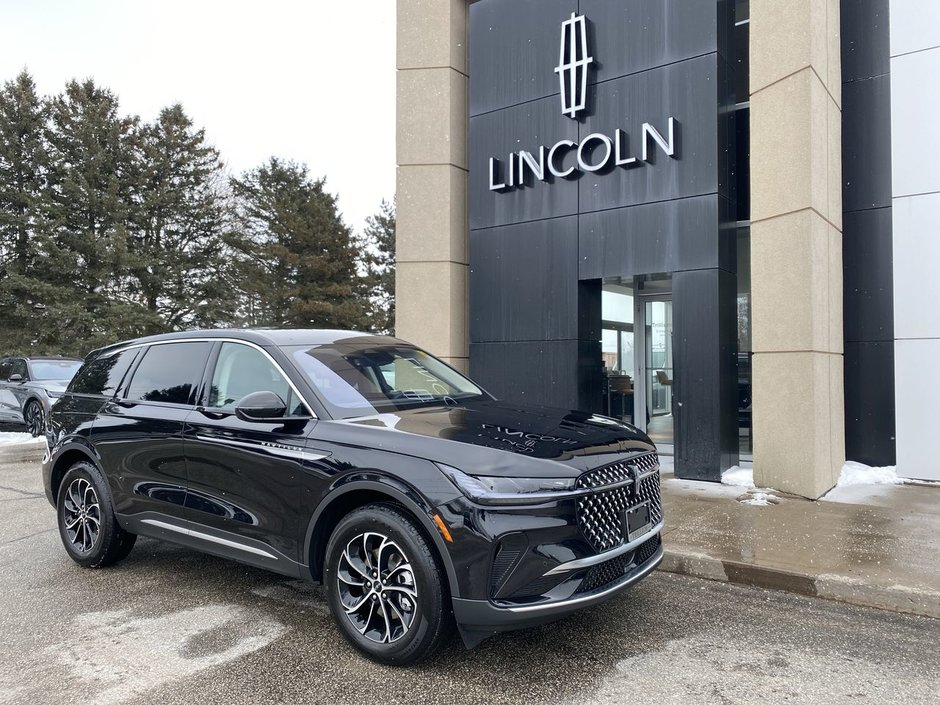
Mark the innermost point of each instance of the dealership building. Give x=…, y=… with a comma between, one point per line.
x=716, y=220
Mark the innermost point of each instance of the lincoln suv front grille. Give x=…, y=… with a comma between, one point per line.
x=602, y=515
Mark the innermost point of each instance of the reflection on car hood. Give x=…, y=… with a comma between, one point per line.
x=53, y=385
x=498, y=438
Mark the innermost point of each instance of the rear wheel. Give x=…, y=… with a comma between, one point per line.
x=384, y=585
x=34, y=418
x=87, y=526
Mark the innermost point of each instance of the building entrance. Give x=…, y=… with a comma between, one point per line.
x=637, y=350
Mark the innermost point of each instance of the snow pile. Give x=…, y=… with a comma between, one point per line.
x=738, y=477
x=8, y=438
x=760, y=499
x=859, y=474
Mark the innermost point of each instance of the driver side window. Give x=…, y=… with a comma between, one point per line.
x=242, y=370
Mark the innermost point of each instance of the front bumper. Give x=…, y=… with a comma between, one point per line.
x=517, y=566
x=487, y=617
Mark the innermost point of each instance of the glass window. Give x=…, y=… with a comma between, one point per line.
x=6, y=369
x=242, y=370
x=102, y=376
x=361, y=380
x=19, y=368
x=54, y=369
x=169, y=372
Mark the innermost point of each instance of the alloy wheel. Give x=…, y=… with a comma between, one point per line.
x=34, y=421
x=82, y=515
x=377, y=588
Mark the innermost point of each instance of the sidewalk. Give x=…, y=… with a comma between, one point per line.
x=884, y=553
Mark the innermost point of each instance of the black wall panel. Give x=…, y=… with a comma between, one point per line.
x=560, y=373
x=867, y=240
x=705, y=358
x=514, y=51
x=869, y=403
x=524, y=281
x=656, y=237
x=635, y=36
x=866, y=143
x=867, y=267
x=686, y=91
x=522, y=127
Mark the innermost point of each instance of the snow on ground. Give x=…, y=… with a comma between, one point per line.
x=738, y=477
x=12, y=438
x=863, y=484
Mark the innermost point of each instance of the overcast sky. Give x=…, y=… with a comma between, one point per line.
x=308, y=80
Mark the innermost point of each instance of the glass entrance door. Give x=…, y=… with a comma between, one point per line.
x=653, y=403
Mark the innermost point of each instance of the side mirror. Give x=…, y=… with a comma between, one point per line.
x=265, y=407
x=16, y=378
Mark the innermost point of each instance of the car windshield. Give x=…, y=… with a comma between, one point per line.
x=54, y=369
x=360, y=380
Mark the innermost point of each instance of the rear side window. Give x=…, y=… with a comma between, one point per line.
x=6, y=369
x=169, y=372
x=102, y=376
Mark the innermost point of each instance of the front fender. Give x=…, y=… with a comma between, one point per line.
x=394, y=489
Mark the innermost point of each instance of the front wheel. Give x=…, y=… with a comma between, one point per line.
x=34, y=418
x=87, y=525
x=385, y=587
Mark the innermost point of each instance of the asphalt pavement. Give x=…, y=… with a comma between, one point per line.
x=169, y=625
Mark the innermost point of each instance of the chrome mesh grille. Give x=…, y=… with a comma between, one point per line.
x=601, y=515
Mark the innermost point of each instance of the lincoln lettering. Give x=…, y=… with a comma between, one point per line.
x=595, y=152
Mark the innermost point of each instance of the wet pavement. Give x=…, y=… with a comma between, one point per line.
x=170, y=625
x=884, y=553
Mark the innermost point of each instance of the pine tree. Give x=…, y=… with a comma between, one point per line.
x=377, y=248
x=177, y=257
x=86, y=212
x=22, y=162
x=299, y=265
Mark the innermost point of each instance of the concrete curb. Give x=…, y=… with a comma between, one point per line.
x=840, y=588
x=29, y=452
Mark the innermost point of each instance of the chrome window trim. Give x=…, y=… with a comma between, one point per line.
x=257, y=347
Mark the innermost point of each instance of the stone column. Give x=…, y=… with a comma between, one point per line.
x=796, y=244
x=432, y=260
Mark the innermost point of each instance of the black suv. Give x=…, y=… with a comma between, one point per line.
x=359, y=461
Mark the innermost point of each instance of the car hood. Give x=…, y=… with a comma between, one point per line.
x=496, y=438
x=53, y=385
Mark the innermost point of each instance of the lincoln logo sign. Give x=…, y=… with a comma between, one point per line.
x=597, y=151
x=573, y=63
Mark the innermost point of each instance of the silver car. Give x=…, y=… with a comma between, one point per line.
x=29, y=386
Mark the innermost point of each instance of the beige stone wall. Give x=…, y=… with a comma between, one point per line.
x=796, y=244
x=432, y=226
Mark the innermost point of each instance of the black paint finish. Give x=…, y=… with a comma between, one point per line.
x=868, y=289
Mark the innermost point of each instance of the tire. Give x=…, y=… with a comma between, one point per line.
x=407, y=618
x=34, y=418
x=84, y=501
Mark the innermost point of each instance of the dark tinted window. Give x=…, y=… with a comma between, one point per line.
x=19, y=368
x=168, y=372
x=6, y=367
x=103, y=375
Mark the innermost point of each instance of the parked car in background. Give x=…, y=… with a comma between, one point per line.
x=361, y=462
x=29, y=386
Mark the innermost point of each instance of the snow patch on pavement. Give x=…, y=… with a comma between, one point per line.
x=11, y=438
x=738, y=477
x=116, y=656
x=760, y=499
x=859, y=474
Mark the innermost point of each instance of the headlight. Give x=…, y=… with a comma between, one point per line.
x=54, y=395
x=512, y=490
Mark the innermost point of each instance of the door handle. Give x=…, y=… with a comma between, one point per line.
x=114, y=405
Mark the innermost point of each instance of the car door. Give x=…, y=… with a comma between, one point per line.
x=245, y=477
x=139, y=433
